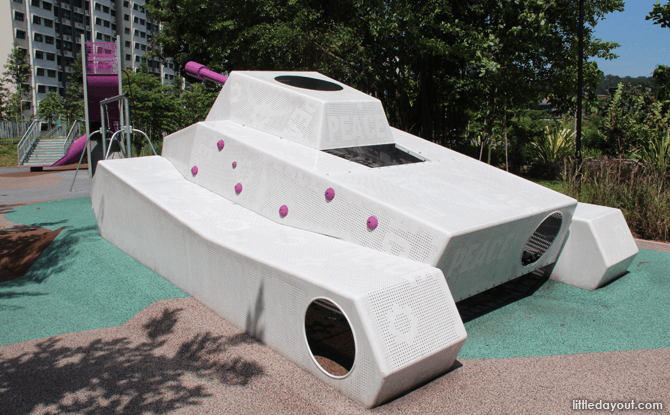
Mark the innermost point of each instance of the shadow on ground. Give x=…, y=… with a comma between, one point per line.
x=122, y=375
x=504, y=294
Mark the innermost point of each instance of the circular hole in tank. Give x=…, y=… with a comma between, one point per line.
x=542, y=239
x=305, y=82
x=330, y=338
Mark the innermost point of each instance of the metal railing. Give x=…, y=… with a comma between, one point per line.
x=74, y=133
x=28, y=140
x=57, y=131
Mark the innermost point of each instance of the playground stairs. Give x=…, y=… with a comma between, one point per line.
x=45, y=152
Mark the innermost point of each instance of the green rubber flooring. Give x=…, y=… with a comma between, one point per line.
x=83, y=282
x=631, y=313
x=80, y=282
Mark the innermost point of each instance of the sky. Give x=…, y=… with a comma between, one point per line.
x=643, y=45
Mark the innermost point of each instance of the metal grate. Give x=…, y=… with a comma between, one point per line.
x=540, y=241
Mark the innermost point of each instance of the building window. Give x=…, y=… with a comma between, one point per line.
x=37, y=37
x=18, y=16
x=137, y=45
x=105, y=9
x=67, y=46
x=79, y=18
x=35, y=3
x=66, y=14
x=41, y=89
x=143, y=35
x=135, y=6
x=126, y=30
x=51, y=73
x=18, y=1
x=127, y=43
x=39, y=54
x=39, y=72
x=60, y=76
x=59, y=61
x=126, y=3
x=57, y=28
x=142, y=22
x=113, y=27
x=20, y=34
x=49, y=40
x=37, y=20
x=46, y=6
x=98, y=7
x=142, y=9
x=53, y=89
x=113, y=13
x=88, y=36
x=143, y=47
x=105, y=23
x=98, y=21
x=51, y=57
x=137, y=32
x=126, y=17
x=137, y=58
x=48, y=23
x=108, y=38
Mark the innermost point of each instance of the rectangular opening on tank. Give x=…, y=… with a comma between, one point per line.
x=380, y=155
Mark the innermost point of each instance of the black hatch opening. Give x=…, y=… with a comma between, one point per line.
x=379, y=155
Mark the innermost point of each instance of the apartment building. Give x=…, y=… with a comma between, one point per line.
x=50, y=32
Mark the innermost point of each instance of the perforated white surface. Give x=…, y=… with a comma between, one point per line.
x=261, y=276
x=317, y=119
x=600, y=248
x=435, y=212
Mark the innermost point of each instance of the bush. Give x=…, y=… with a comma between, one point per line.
x=642, y=192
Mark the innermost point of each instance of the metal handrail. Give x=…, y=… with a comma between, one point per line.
x=74, y=131
x=54, y=130
x=28, y=141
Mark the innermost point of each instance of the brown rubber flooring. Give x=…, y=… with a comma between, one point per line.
x=178, y=357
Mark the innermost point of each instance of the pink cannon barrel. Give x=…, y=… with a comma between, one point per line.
x=203, y=73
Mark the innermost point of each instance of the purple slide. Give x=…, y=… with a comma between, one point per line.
x=73, y=154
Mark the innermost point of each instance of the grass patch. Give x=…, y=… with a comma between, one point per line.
x=555, y=185
x=640, y=191
x=8, y=154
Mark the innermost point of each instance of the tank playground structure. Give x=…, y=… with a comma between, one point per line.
x=296, y=213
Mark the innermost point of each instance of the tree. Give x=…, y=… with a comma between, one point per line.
x=632, y=119
x=662, y=79
x=50, y=107
x=17, y=75
x=154, y=108
x=434, y=64
x=660, y=14
x=74, y=94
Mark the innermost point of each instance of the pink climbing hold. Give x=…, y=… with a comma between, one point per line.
x=220, y=145
x=238, y=188
x=234, y=164
x=372, y=223
x=330, y=193
x=283, y=210
x=194, y=170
